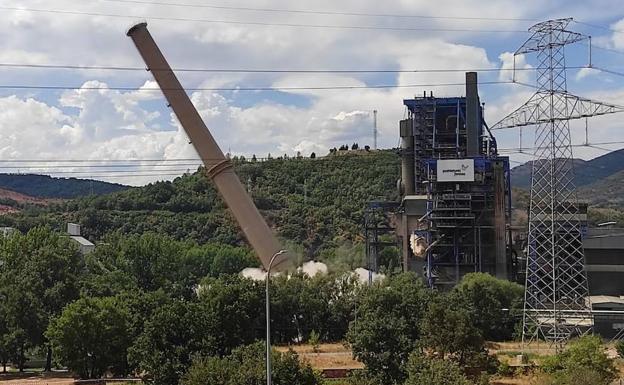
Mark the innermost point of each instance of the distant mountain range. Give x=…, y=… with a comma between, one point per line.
x=44, y=186
x=586, y=172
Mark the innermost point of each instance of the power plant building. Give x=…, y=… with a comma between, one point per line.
x=455, y=206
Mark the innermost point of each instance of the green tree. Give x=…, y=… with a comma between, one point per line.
x=91, y=337
x=152, y=262
x=448, y=330
x=246, y=366
x=340, y=294
x=142, y=306
x=230, y=260
x=387, y=327
x=300, y=304
x=495, y=303
x=5, y=345
x=176, y=333
x=425, y=370
x=238, y=307
x=41, y=273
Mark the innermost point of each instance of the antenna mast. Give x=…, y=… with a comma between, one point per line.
x=374, y=129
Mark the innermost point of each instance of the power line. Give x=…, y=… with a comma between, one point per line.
x=257, y=23
x=595, y=26
x=112, y=172
x=609, y=71
x=115, y=167
x=243, y=70
x=120, y=176
x=605, y=48
x=97, y=163
x=318, y=88
x=339, y=157
x=577, y=172
x=101, y=160
x=30, y=169
x=86, y=163
x=315, y=12
x=20, y=163
x=521, y=149
x=599, y=148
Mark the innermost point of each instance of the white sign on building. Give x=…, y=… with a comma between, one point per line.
x=455, y=170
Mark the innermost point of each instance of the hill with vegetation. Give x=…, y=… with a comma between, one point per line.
x=45, y=186
x=586, y=172
x=317, y=204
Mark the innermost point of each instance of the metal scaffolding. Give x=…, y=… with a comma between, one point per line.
x=455, y=224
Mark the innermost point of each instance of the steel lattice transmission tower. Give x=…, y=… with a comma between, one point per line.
x=556, y=284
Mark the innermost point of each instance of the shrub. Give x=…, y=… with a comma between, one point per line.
x=314, y=340
x=504, y=369
x=619, y=347
x=584, y=362
x=423, y=370
x=246, y=365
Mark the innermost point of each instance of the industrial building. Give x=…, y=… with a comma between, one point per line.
x=454, y=213
x=84, y=245
x=455, y=207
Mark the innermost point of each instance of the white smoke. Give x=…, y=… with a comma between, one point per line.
x=363, y=275
x=418, y=245
x=312, y=268
x=254, y=273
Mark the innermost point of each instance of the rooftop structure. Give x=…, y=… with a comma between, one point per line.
x=84, y=245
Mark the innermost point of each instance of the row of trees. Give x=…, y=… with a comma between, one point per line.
x=408, y=335
x=403, y=327
x=154, y=306
x=149, y=304
x=41, y=272
x=161, y=336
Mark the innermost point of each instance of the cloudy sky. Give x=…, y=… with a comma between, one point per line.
x=76, y=121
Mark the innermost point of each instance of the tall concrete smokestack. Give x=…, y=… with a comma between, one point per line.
x=407, y=156
x=218, y=167
x=473, y=115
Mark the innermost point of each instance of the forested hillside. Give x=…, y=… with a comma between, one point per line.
x=315, y=203
x=44, y=186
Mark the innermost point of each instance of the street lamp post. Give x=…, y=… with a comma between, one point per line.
x=268, y=318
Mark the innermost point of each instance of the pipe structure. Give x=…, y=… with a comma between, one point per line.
x=500, y=243
x=473, y=115
x=407, y=157
x=218, y=167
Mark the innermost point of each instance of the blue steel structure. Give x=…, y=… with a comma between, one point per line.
x=464, y=225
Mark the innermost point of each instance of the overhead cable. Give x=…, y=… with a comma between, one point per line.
x=317, y=12
x=256, y=23
x=285, y=88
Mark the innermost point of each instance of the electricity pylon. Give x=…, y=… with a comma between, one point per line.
x=556, y=294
